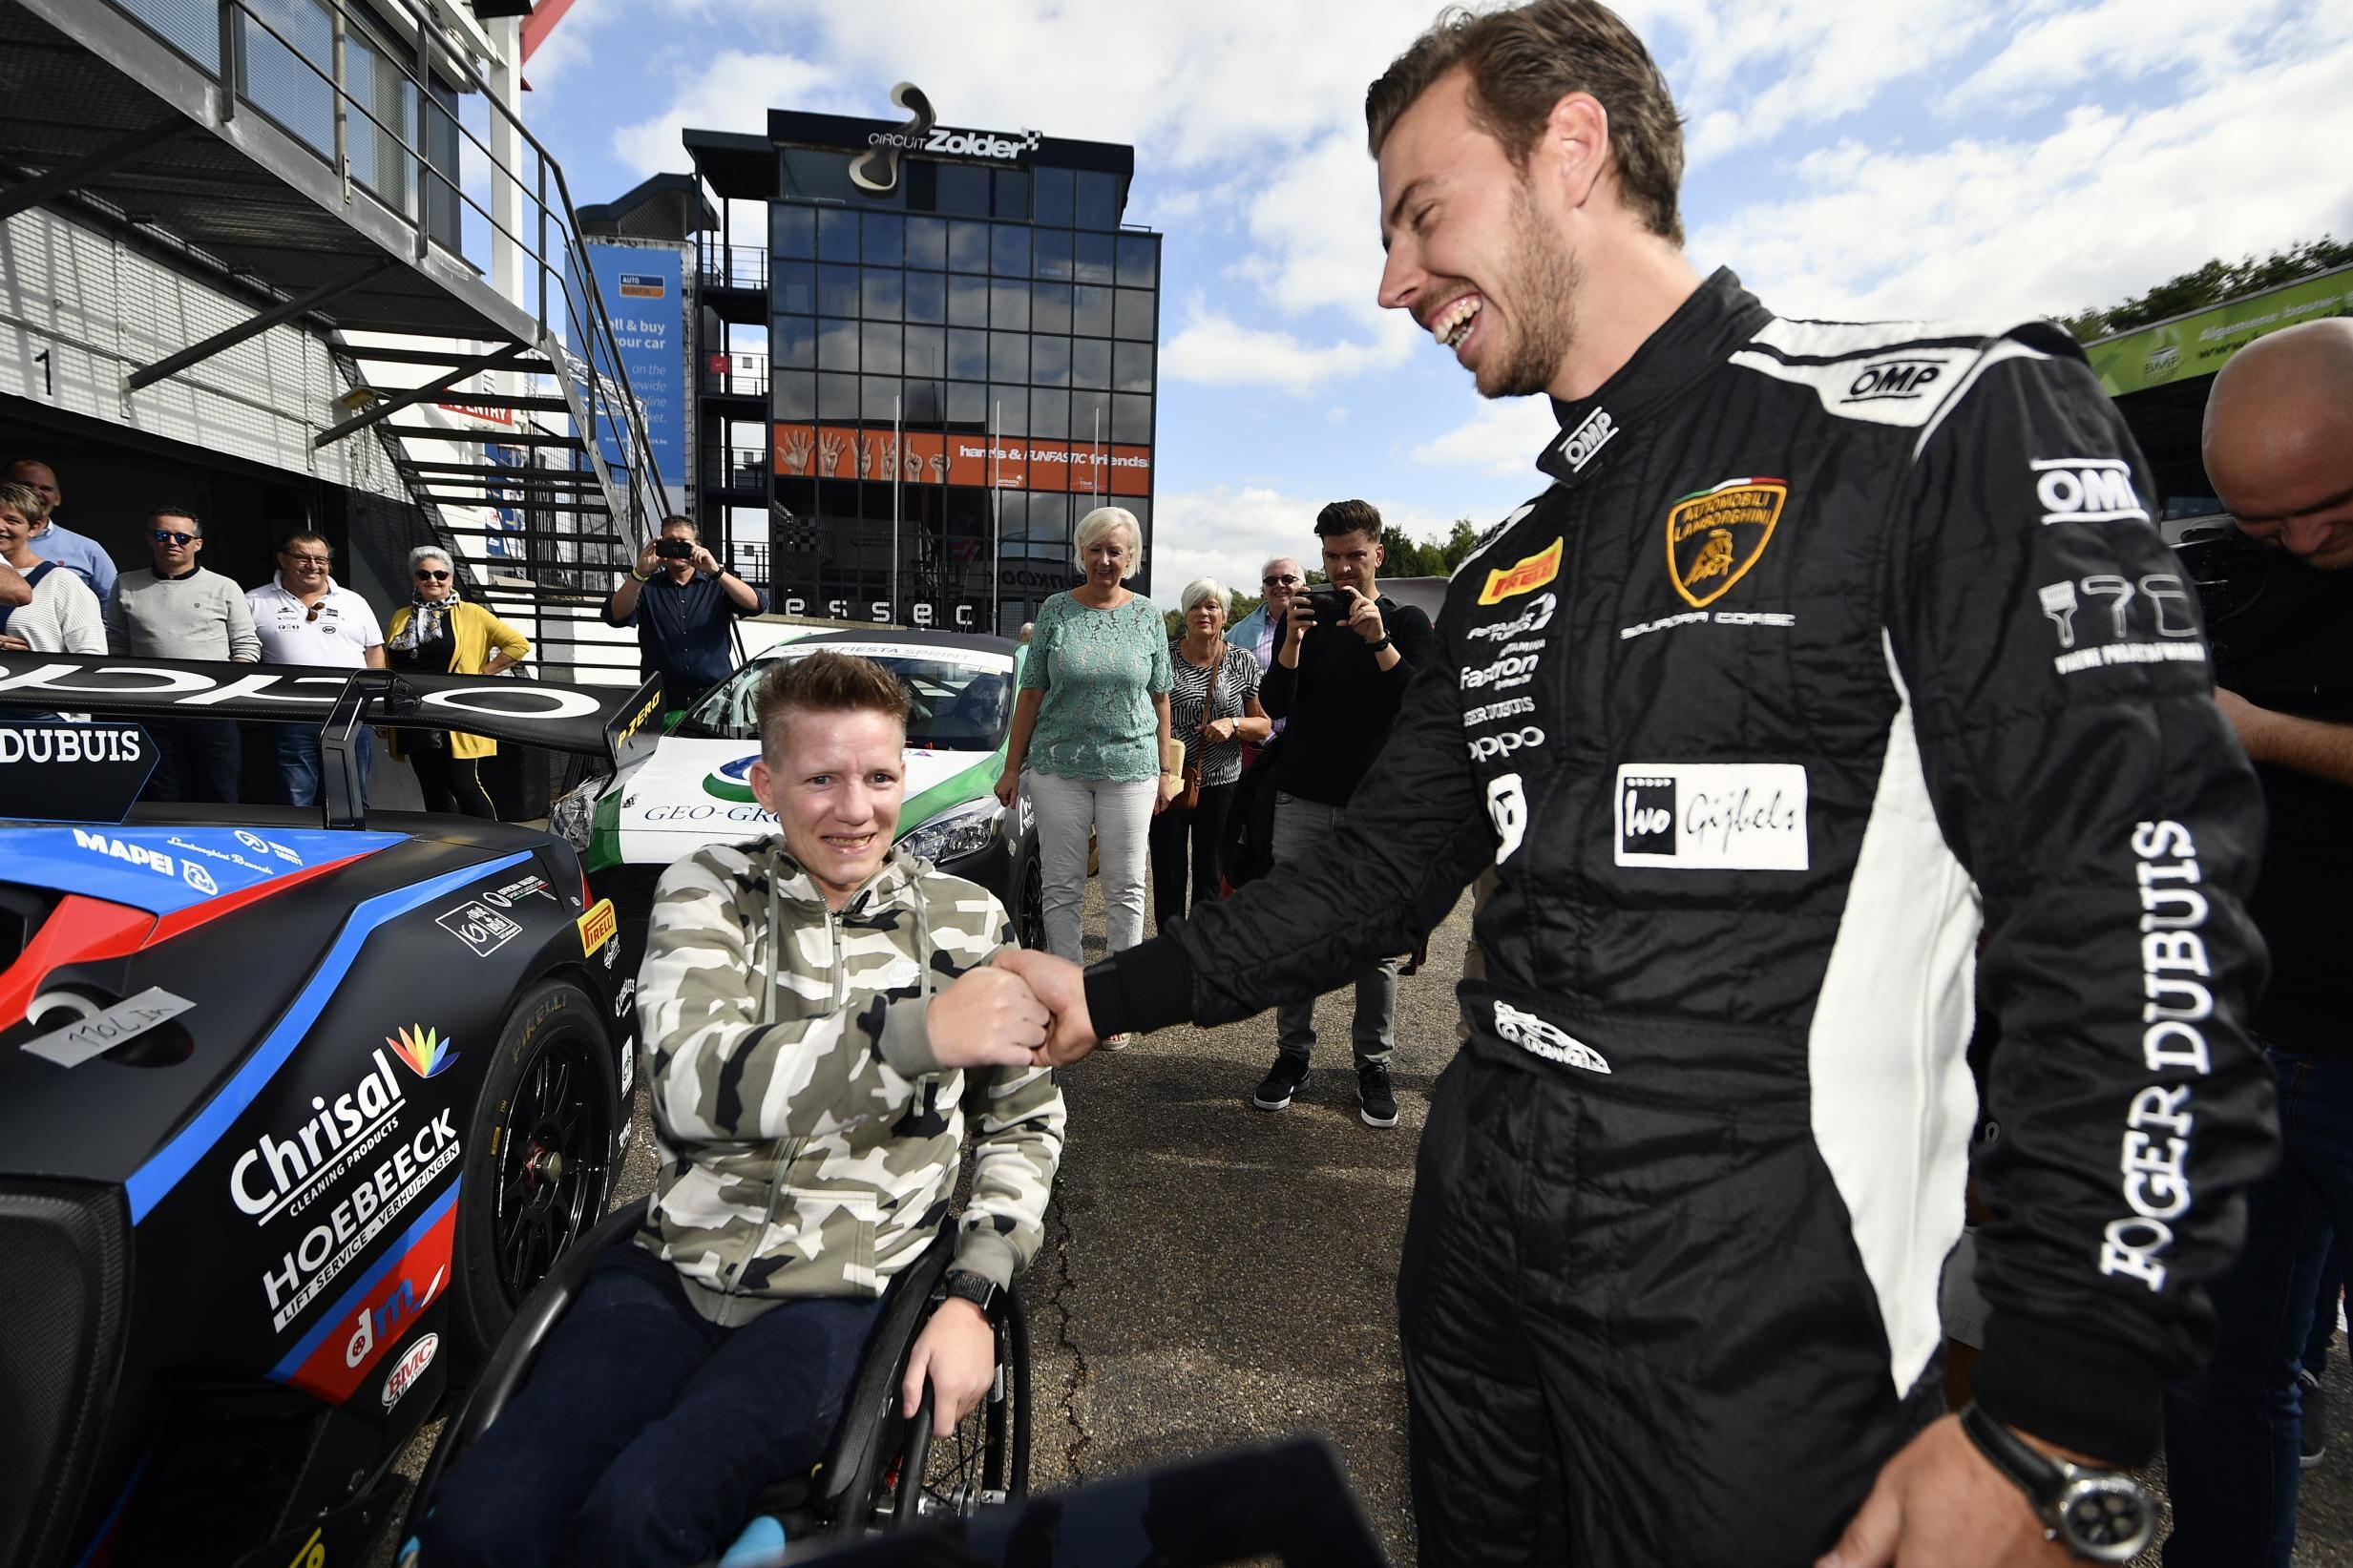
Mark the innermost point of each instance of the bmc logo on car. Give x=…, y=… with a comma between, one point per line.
x=408, y=1368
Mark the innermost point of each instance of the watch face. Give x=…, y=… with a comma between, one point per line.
x=2105, y=1518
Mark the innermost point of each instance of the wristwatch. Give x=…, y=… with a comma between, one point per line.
x=983, y=1292
x=2100, y=1515
x=1377, y=647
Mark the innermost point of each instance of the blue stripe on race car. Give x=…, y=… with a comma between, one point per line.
x=164, y=871
x=153, y=1180
x=393, y=1256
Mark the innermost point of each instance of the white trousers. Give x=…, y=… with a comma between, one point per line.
x=1119, y=816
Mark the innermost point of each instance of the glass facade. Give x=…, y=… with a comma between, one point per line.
x=966, y=364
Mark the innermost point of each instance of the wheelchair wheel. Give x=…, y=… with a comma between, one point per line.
x=984, y=1462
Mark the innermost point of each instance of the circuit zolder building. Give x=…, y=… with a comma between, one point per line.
x=995, y=309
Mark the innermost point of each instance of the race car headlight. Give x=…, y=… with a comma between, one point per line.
x=573, y=817
x=956, y=832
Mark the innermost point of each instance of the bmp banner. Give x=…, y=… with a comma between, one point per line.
x=644, y=294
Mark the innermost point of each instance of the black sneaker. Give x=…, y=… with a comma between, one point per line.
x=2316, y=1419
x=1379, y=1104
x=1282, y=1080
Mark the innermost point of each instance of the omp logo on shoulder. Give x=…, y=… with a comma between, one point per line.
x=2087, y=489
x=1585, y=442
x=1524, y=576
x=1541, y=1038
x=1712, y=816
x=1887, y=378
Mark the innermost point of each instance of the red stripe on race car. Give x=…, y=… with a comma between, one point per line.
x=77, y=929
x=212, y=908
x=83, y=930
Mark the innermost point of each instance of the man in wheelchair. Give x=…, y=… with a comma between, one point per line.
x=812, y=1004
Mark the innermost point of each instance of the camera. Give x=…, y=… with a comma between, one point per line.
x=1332, y=605
x=675, y=550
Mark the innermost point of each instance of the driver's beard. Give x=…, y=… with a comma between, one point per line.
x=1545, y=276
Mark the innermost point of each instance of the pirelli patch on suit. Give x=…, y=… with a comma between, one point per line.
x=1524, y=577
x=1715, y=535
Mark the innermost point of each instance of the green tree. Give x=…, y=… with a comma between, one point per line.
x=2211, y=285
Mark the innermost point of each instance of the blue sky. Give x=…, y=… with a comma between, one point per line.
x=1947, y=158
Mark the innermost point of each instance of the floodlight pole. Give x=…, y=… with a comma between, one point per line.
x=898, y=462
x=996, y=517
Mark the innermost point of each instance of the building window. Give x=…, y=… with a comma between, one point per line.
x=1139, y=261
x=1013, y=194
x=881, y=294
x=793, y=395
x=1051, y=196
x=1131, y=420
x=1090, y=363
x=837, y=397
x=1009, y=251
x=1131, y=367
x=963, y=190
x=968, y=302
x=1009, y=356
x=1009, y=408
x=927, y=296
x=1093, y=255
x=792, y=231
x=927, y=351
x=838, y=235
x=1134, y=312
x=968, y=248
x=793, y=288
x=968, y=354
x=837, y=291
x=926, y=243
x=1009, y=304
x=1098, y=201
x=879, y=352
x=1049, y=414
x=792, y=343
x=1049, y=361
x=1091, y=311
x=837, y=345
x=885, y=238
x=1050, y=307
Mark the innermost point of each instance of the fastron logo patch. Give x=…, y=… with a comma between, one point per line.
x=1712, y=816
x=1524, y=577
x=1715, y=535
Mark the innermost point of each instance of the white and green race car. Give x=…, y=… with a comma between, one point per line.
x=694, y=790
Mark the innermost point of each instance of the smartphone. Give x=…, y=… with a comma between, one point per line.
x=1332, y=605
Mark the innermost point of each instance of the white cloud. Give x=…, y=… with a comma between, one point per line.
x=1501, y=438
x=2119, y=39
x=733, y=91
x=2105, y=205
x=1219, y=350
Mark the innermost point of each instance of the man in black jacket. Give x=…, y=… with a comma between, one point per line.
x=1827, y=647
x=1340, y=684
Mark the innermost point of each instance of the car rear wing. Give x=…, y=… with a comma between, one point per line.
x=616, y=722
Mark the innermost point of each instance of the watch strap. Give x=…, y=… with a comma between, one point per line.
x=1384, y=642
x=2036, y=1474
x=983, y=1292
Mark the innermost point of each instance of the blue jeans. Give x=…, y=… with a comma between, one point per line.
x=1302, y=828
x=298, y=762
x=2232, y=1430
x=645, y=1431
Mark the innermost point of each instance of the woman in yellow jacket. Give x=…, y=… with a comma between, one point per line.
x=438, y=632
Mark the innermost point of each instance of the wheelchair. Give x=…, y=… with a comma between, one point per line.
x=881, y=1472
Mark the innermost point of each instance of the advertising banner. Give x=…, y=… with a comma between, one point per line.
x=644, y=290
x=2198, y=346
x=840, y=451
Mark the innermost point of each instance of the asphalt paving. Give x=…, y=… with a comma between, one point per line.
x=1215, y=1275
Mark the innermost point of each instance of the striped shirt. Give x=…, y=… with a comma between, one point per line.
x=1222, y=763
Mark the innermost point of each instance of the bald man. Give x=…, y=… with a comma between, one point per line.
x=2279, y=448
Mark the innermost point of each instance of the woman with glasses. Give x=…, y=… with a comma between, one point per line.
x=439, y=633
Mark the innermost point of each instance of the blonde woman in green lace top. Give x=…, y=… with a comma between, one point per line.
x=1088, y=733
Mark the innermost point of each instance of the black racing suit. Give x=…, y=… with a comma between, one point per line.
x=1829, y=645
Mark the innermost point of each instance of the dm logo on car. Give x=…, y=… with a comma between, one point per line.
x=733, y=782
x=423, y=1050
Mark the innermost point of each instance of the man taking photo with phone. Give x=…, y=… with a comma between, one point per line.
x=1345, y=656
x=681, y=600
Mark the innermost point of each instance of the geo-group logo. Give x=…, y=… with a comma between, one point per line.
x=731, y=781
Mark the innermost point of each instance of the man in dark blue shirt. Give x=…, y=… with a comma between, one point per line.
x=681, y=605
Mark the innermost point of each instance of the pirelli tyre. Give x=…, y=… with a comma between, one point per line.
x=543, y=1153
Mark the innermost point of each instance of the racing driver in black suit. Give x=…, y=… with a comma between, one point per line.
x=1829, y=646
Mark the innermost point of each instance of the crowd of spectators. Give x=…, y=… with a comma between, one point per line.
x=60, y=592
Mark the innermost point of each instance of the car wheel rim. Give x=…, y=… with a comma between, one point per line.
x=1032, y=931
x=553, y=1165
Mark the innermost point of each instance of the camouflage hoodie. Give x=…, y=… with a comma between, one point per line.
x=783, y=1037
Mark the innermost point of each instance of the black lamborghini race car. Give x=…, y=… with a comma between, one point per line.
x=294, y=1107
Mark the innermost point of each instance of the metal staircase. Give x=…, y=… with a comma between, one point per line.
x=349, y=167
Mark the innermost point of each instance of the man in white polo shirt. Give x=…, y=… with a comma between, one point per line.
x=302, y=617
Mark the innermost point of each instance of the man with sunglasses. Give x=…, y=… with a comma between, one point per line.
x=180, y=609
x=1261, y=631
x=304, y=617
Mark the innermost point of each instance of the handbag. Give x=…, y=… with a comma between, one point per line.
x=1191, y=795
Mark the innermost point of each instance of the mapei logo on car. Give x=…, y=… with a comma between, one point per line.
x=731, y=781
x=2086, y=489
x=1524, y=576
x=1712, y=816
x=1715, y=535
x=1585, y=442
